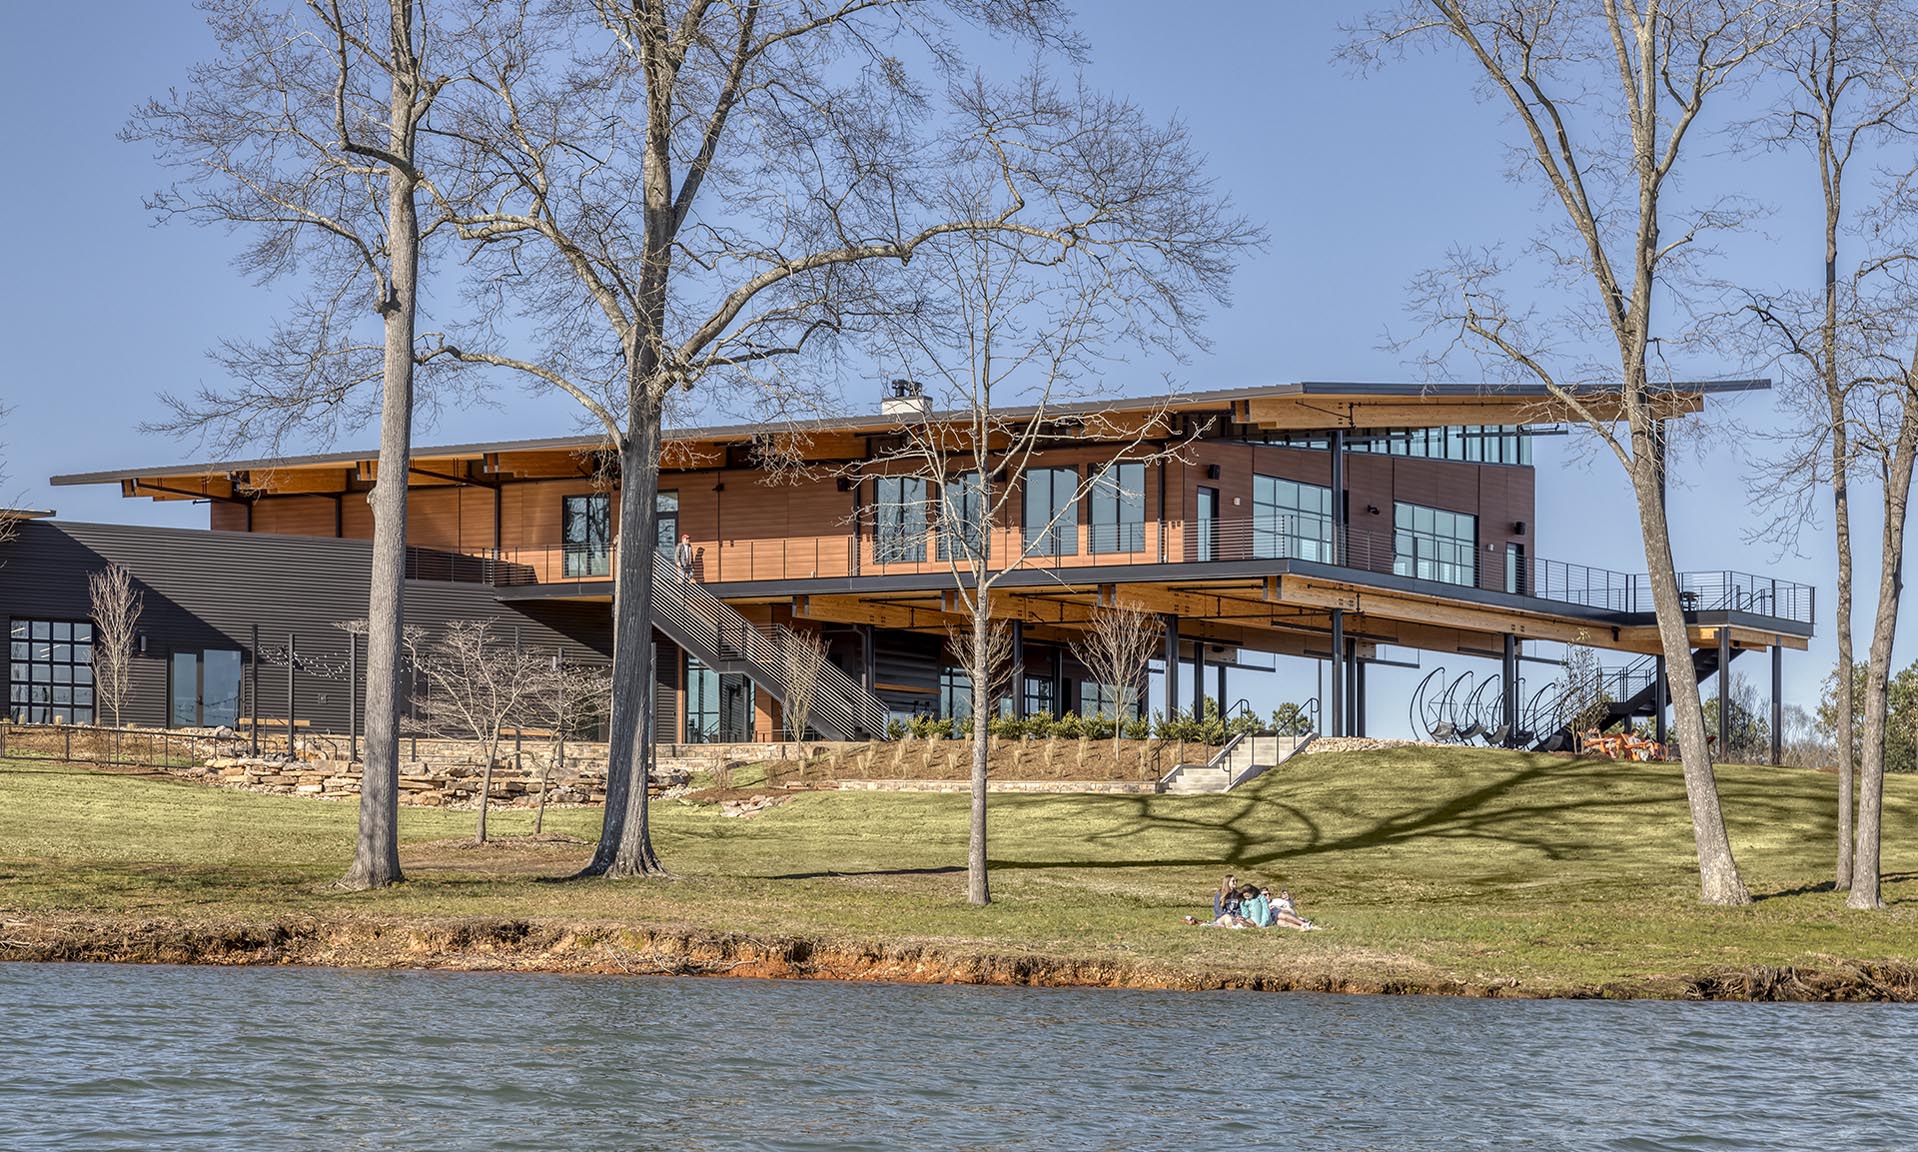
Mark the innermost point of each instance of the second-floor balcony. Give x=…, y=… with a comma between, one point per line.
x=1413, y=557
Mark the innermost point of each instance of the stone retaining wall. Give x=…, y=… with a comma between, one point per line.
x=422, y=784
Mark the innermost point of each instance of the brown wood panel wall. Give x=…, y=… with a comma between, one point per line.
x=295, y=515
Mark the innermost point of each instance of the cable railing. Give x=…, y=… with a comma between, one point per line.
x=1429, y=558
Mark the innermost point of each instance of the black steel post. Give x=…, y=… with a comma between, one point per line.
x=1510, y=709
x=1198, y=677
x=1358, y=692
x=1225, y=698
x=1777, y=700
x=291, y=669
x=1337, y=678
x=253, y=686
x=352, y=698
x=1171, y=665
x=1661, y=693
x=1018, y=686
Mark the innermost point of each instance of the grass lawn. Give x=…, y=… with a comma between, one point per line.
x=1431, y=864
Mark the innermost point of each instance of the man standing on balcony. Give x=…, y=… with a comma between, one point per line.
x=683, y=557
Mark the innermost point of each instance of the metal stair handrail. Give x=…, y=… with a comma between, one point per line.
x=726, y=636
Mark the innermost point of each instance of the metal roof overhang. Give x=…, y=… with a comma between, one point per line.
x=1303, y=405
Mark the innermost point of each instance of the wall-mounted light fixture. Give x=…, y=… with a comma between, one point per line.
x=1211, y=471
x=845, y=483
x=1372, y=509
x=140, y=641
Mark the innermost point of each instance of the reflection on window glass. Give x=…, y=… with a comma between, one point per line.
x=1290, y=520
x=1433, y=544
x=1118, y=508
x=899, y=519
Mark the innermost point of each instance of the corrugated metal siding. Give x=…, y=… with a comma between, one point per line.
x=209, y=590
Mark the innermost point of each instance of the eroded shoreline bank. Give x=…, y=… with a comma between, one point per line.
x=623, y=949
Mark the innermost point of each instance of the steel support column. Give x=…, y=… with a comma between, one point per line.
x=1358, y=692
x=1336, y=710
x=1018, y=687
x=1224, y=697
x=1198, y=677
x=1661, y=697
x=1777, y=700
x=1171, y=664
x=1509, y=710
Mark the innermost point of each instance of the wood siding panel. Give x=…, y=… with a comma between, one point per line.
x=295, y=515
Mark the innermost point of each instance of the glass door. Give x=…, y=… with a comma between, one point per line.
x=204, y=689
x=702, y=703
x=586, y=529
x=183, y=695
x=1206, y=526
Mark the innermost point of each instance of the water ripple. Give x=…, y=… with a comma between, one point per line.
x=109, y=1058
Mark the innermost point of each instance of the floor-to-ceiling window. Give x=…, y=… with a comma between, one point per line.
x=1118, y=509
x=959, y=528
x=586, y=535
x=51, y=676
x=899, y=519
x=1052, y=511
x=1290, y=520
x=666, y=521
x=1433, y=544
x=719, y=707
x=1205, y=525
x=955, y=693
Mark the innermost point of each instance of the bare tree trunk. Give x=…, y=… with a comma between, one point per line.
x=485, y=792
x=625, y=845
x=376, y=857
x=978, y=891
x=1717, y=870
x=1871, y=776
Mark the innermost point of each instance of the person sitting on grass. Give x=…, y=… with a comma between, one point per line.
x=1226, y=899
x=1284, y=914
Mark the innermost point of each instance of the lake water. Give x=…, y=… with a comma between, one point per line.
x=105, y=1058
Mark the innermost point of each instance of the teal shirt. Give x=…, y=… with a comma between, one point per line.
x=1257, y=911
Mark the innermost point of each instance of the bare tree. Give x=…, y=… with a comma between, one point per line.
x=1010, y=333
x=1118, y=641
x=571, y=698
x=116, y=612
x=1607, y=95
x=802, y=658
x=1850, y=86
x=306, y=131
x=749, y=158
x=477, y=684
x=1884, y=417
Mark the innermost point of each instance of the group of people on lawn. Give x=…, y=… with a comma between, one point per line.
x=1250, y=906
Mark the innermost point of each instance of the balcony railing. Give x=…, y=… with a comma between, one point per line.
x=1436, y=563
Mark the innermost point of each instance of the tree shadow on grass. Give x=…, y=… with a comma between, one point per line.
x=1258, y=829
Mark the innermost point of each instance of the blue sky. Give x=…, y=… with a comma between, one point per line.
x=1362, y=180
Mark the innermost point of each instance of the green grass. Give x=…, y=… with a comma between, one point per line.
x=1474, y=865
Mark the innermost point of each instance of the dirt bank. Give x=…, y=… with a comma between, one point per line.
x=517, y=945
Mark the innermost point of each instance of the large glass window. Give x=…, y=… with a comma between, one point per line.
x=959, y=528
x=1039, y=696
x=1052, y=511
x=899, y=519
x=955, y=693
x=1290, y=520
x=1433, y=544
x=666, y=521
x=586, y=535
x=1118, y=508
x=51, y=678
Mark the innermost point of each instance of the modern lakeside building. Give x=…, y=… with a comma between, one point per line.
x=1315, y=520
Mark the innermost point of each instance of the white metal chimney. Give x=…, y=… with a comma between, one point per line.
x=904, y=398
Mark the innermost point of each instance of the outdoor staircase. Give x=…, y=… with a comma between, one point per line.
x=1243, y=758
x=726, y=641
x=1637, y=696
